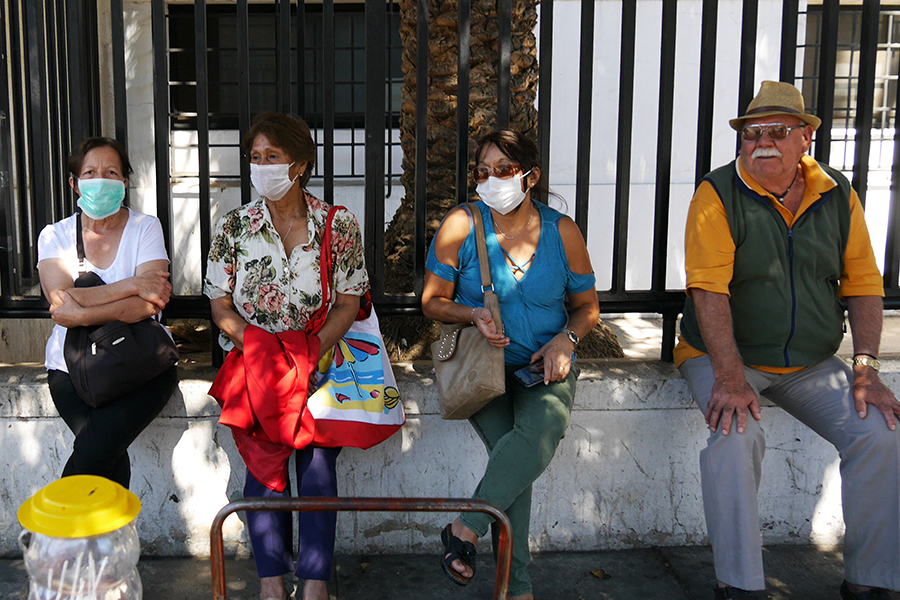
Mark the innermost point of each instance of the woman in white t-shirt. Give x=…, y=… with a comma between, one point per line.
x=125, y=248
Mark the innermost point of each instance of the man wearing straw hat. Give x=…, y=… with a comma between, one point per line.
x=774, y=240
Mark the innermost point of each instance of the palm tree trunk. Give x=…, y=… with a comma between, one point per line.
x=409, y=338
x=443, y=61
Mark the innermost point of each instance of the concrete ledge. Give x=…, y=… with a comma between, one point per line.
x=626, y=475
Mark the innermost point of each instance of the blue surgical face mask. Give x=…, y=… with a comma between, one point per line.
x=100, y=198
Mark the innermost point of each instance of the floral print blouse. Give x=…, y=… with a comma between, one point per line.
x=269, y=289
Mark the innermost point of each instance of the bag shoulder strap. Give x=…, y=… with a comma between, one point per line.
x=491, y=302
x=484, y=263
x=318, y=319
x=326, y=270
x=79, y=243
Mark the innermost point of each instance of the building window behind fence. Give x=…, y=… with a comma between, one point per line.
x=847, y=78
x=846, y=87
x=223, y=75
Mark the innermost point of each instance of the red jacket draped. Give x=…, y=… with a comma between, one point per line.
x=263, y=392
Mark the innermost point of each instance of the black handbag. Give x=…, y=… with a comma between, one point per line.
x=107, y=361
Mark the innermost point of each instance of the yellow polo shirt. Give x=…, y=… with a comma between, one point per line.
x=709, y=246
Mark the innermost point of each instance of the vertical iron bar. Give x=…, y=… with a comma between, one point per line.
x=36, y=209
x=388, y=91
x=585, y=106
x=57, y=121
x=78, y=109
x=708, y=34
x=6, y=136
x=865, y=97
x=300, y=25
x=504, y=14
x=747, y=73
x=462, y=102
x=664, y=144
x=83, y=65
x=790, y=16
x=623, y=146
x=328, y=41
x=827, y=70
x=243, y=59
x=545, y=76
x=15, y=156
x=421, y=140
x=375, y=133
x=353, y=104
x=202, y=90
x=670, y=319
x=283, y=55
x=161, y=118
x=664, y=167
x=892, y=247
x=117, y=25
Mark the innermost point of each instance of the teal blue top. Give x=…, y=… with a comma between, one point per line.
x=532, y=308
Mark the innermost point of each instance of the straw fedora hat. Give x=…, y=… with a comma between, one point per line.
x=776, y=98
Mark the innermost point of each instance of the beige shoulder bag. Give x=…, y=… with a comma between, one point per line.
x=469, y=371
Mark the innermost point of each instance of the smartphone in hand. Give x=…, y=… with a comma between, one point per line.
x=532, y=374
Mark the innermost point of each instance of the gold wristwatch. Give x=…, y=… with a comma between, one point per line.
x=865, y=360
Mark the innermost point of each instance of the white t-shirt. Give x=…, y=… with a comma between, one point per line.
x=142, y=241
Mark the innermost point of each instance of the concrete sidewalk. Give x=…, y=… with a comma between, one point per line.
x=674, y=573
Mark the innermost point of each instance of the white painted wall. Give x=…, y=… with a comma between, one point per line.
x=626, y=474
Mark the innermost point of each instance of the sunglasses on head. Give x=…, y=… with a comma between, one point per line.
x=775, y=131
x=502, y=171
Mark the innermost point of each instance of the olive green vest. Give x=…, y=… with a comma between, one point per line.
x=784, y=291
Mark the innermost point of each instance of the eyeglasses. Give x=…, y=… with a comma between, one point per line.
x=775, y=131
x=502, y=171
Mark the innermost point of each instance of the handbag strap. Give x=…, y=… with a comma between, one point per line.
x=326, y=270
x=79, y=242
x=491, y=302
x=484, y=263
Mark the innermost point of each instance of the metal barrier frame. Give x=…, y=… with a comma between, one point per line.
x=504, y=543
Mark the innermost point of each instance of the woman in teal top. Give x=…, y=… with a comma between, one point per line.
x=538, y=261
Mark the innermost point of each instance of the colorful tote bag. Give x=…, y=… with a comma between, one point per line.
x=357, y=403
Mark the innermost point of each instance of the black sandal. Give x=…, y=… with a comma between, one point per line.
x=456, y=549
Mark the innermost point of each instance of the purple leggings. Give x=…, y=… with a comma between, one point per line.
x=271, y=531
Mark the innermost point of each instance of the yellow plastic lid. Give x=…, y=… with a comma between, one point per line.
x=79, y=506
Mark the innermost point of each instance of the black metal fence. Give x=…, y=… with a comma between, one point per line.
x=49, y=96
x=55, y=99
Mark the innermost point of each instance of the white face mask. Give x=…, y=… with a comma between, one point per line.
x=503, y=195
x=272, y=181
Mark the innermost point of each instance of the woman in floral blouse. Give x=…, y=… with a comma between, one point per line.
x=263, y=270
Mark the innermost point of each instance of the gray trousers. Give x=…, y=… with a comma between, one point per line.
x=731, y=466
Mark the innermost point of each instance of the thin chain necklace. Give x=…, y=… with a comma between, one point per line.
x=294, y=220
x=520, y=231
x=794, y=180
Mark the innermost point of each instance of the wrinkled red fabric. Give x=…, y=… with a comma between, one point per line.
x=263, y=392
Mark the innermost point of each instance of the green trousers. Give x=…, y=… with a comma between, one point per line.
x=520, y=430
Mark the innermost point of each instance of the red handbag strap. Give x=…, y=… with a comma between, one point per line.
x=326, y=270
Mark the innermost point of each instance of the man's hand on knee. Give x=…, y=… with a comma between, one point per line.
x=869, y=389
x=731, y=400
